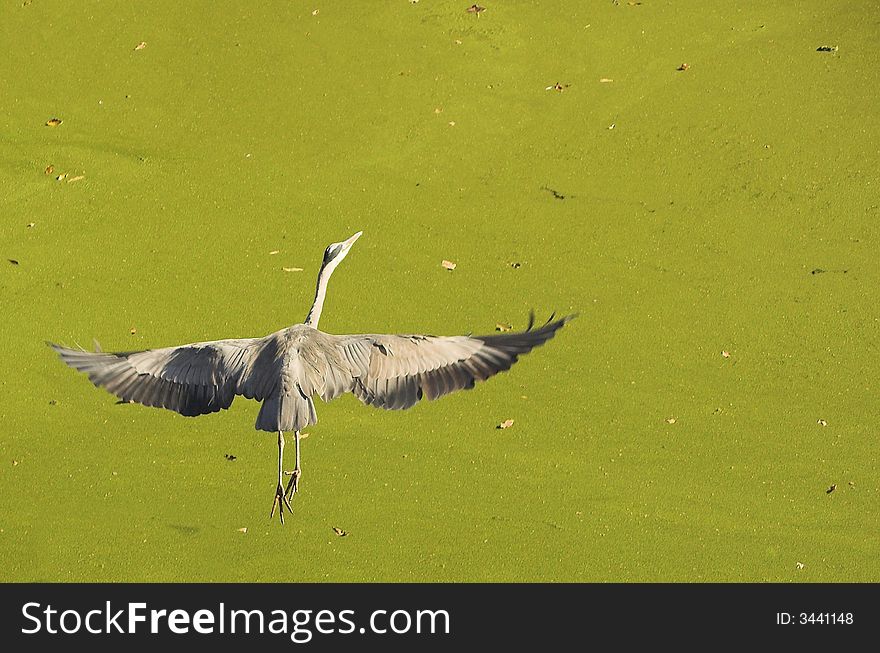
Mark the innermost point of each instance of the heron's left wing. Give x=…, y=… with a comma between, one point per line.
x=191, y=379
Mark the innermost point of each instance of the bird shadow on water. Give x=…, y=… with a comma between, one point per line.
x=184, y=530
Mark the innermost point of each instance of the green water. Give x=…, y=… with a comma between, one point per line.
x=690, y=228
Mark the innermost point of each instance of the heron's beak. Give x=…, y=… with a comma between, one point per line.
x=348, y=243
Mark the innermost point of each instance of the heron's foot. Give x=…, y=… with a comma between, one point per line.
x=281, y=503
x=292, y=484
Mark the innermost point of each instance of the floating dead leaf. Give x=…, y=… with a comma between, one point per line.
x=821, y=422
x=49, y=169
x=557, y=87
x=292, y=269
x=684, y=66
x=230, y=457
x=133, y=330
x=515, y=265
x=303, y=436
x=452, y=123
x=13, y=261
x=503, y=327
x=506, y=424
x=831, y=489
x=141, y=45
x=725, y=354
x=339, y=532
x=114, y=473
x=670, y=420
x=14, y=463
x=61, y=177
x=77, y=178
x=611, y=126
x=475, y=9
x=316, y=12
x=799, y=565
x=449, y=265
x=827, y=48
x=242, y=530
x=274, y=252
x=634, y=4
x=458, y=41
x=31, y=225
x=53, y=402
x=53, y=122
x=605, y=80
x=438, y=110
x=850, y=483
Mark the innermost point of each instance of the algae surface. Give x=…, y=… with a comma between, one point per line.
x=728, y=207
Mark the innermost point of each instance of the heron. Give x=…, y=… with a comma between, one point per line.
x=287, y=369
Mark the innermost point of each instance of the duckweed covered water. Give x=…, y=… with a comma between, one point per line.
x=728, y=207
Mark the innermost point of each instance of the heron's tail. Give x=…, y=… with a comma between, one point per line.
x=286, y=412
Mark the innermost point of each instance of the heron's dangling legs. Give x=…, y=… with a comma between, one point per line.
x=293, y=483
x=280, y=501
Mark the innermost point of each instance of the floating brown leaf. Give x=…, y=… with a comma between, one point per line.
x=475, y=9
x=449, y=265
x=821, y=422
x=725, y=354
x=133, y=330
x=13, y=261
x=670, y=420
x=53, y=122
x=827, y=48
x=49, y=169
x=503, y=327
x=506, y=424
x=242, y=530
x=61, y=177
x=230, y=457
x=515, y=265
x=339, y=532
x=831, y=489
x=31, y=225
x=684, y=66
x=316, y=12
x=141, y=45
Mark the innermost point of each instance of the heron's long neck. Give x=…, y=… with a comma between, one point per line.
x=320, y=293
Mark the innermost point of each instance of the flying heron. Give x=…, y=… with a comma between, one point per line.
x=286, y=369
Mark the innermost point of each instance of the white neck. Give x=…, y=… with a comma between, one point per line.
x=320, y=293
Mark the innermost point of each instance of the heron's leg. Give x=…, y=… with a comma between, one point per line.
x=280, y=501
x=293, y=483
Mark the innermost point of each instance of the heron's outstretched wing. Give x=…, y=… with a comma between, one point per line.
x=191, y=380
x=395, y=372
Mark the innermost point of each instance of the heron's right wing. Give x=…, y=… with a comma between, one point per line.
x=191, y=379
x=394, y=372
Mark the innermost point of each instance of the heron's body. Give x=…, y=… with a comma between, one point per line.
x=287, y=369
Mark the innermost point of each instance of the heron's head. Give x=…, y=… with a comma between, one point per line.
x=335, y=252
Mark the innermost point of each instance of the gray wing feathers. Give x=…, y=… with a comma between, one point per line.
x=191, y=380
x=395, y=372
